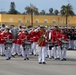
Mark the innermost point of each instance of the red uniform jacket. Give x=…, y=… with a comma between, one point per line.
x=1, y=37
x=35, y=37
x=43, y=43
x=24, y=36
x=60, y=37
x=18, y=41
x=31, y=34
x=7, y=35
x=54, y=35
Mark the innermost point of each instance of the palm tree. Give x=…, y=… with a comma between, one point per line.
x=31, y=10
x=56, y=12
x=42, y=12
x=66, y=11
x=51, y=11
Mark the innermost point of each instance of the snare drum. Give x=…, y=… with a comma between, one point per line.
x=50, y=45
x=65, y=44
x=55, y=43
x=8, y=44
x=27, y=45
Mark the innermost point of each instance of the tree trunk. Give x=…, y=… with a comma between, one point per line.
x=31, y=17
x=66, y=20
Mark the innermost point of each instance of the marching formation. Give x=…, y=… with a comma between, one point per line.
x=39, y=41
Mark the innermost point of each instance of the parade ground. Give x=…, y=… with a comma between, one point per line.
x=18, y=66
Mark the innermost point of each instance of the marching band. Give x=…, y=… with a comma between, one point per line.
x=38, y=41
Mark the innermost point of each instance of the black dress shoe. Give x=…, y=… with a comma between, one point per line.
x=64, y=59
x=44, y=63
x=55, y=58
x=69, y=48
x=47, y=56
x=2, y=55
x=58, y=58
x=27, y=58
x=52, y=57
x=13, y=56
x=40, y=62
x=7, y=59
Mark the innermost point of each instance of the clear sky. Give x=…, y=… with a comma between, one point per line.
x=41, y=4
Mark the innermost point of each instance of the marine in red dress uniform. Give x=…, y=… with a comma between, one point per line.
x=7, y=36
x=42, y=46
x=54, y=34
x=62, y=51
x=2, y=47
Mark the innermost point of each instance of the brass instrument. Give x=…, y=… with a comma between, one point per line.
x=42, y=38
